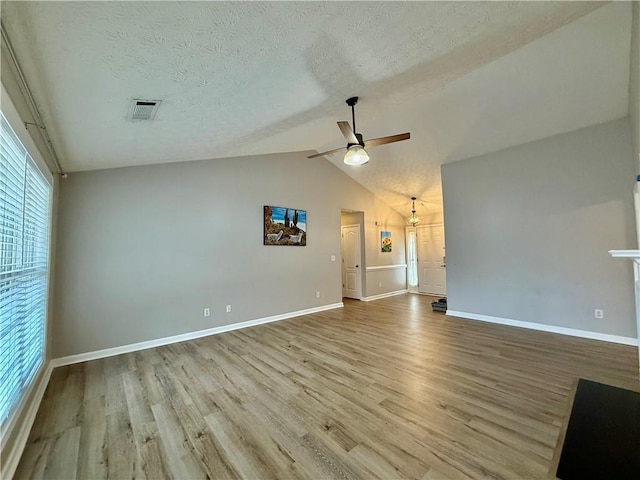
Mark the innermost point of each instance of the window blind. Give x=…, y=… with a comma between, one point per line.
x=24, y=248
x=413, y=264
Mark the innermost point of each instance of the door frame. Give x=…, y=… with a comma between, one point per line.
x=342, y=255
x=430, y=225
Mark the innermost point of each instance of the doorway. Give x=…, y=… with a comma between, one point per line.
x=351, y=261
x=431, y=260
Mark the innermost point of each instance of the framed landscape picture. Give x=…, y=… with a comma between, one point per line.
x=285, y=226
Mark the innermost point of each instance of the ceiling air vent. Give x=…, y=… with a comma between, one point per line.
x=144, y=109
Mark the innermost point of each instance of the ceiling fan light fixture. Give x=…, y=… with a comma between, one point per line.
x=356, y=155
x=413, y=220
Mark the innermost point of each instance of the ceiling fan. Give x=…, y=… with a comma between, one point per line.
x=356, y=154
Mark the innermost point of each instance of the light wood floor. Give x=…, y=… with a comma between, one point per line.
x=383, y=389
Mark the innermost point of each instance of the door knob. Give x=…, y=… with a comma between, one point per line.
x=357, y=266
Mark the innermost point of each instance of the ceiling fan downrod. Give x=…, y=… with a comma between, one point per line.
x=353, y=118
x=352, y=103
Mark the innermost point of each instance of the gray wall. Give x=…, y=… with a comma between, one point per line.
x=529, y=228
x=634, y=81
x=352, y=218
x=141, y=251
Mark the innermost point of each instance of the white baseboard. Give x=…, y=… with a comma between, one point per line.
x=605, y=337
x=134, y=347
x=13, y=457
x=384, y=295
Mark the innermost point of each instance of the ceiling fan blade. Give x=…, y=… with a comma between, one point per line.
x=346, y=130
x=384, y=140
x=327, y=153
x=368, y=143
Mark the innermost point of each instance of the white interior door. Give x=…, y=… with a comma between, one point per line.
x=432, y=276
x=351, y=262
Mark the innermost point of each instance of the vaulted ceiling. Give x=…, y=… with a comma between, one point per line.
x=245, y=78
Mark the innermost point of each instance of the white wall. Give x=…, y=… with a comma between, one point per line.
x=384, y=272
x=142, y=250
x=529, y=228
x=380, y=280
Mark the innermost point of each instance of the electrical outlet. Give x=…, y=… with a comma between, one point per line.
x=597, y=313
x=333, y=258
x=228, y=309
x=379, y=284
x=207, y=312
x=317, y=294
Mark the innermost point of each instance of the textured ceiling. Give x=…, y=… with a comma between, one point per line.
x=241, y=78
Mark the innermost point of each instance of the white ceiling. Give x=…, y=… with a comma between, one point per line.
x=239, y=78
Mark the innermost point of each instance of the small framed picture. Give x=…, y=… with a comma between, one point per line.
x=385, y=242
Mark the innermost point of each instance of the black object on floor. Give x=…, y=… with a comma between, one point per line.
x=603, y=435
x=439, y=305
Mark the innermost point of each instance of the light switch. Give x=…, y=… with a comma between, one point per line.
x=333, y=258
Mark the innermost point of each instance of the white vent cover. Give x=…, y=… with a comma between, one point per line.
x=144, y=109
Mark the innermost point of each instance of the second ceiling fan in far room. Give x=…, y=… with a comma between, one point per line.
x=356, y=154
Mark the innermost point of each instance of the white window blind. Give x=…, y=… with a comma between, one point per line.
x=412, y=271
x=24, y=248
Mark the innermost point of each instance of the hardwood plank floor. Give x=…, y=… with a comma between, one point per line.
x=384, y=389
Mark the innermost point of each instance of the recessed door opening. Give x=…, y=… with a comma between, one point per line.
x=351, y=249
